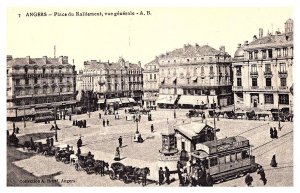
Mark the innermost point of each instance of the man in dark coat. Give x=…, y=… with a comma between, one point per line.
x=209, y=180
x=73, y=122
x=48, y=141
x=76, y=122
x=99, y=115
x=160, y=176
x=248, y=179
x=120, y=141
x=273, y=161
x=152, y=128
x=79, y=142
x=271, y=132
x=51, y=141
x=107, y=122
x=70, y=117
x=78, y=152
x=262, y=174
x=275, y=136
x=167, y=175
x=103, y=122
x=84, y=123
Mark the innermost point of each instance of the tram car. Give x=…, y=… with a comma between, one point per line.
x=224, y=158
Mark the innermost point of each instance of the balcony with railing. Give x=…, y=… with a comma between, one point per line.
x=238, y=74
x=268, y=72
x=254, y=87
x=237, y=88
x=268, y=87
x=284, y=88
x=282, y=74
x=254, y=73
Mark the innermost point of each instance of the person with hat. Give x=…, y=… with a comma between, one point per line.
x=262, y=174
x=273, y=161
x=160, y=176
x=117, y=155
x=120, y=141
x=248, y=180
x=167, y=175
x=79, y=142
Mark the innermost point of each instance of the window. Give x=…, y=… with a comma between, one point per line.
x=283, y=99
x=227, y=159
x=254, y=81
x=60, y=79
x=222, y=160
x=232, y=157
x=268, y=67
x=239, y=82
x=270, y=53
x=245, y=154
x=269, y=99
x=278, y=52
x=44, y=90
x=202, y=69
x=282, y=81
x=268, y=81
x=154, y=76
x=17, y=81
x=238, y=70
x=264, y=54
x=26, y=81
x=211, y=69
x=250, y=55
x=210, y=59
x=253, y=68
x=282, y=67
x=285, y=52
x=238, y=156
x=150, y=76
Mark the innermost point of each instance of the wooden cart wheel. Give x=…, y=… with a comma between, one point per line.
x=112, y=175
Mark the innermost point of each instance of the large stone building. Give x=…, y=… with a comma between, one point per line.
x=263, y=70
x=195, y=76
x=151, y=83
x=39, y=84
x=116, y=83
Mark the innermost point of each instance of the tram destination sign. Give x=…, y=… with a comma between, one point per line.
x=232, y=145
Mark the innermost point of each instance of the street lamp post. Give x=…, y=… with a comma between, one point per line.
x=55, y=115
x=137, y=135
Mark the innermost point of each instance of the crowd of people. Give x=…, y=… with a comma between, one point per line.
x=80, y=123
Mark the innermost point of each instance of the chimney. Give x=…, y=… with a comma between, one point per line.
x=261, y=33
x=197, y=45
x=60, y=59
x=254, y=37
x=9, y=57
x=239, y=45
x=45, y=59
x=139, y=63
x=222, y=49
x=28, y=59
x=246, y=43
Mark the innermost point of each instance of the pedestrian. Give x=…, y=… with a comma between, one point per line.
x=115, y=117
x=120, y=141
x=140, y=117
x=262, y=174
x=76, y=123
x=209, y=180
x=107, y=122
x=70, y=117
x=125, y=110
x=167, y=175
x=152, y=128
x=73, y=122
x=271, y=133
x=275, y=136
x=79, y=142
x=52, y=127
x=160, y=176
x=273, y=161
x=78, y=152
x=174, y=115
x=117, y=155
x=84, y=123
x=248, y=180
x=51, y=141
x=179, y=171
x=99, y=115
x=48, y=141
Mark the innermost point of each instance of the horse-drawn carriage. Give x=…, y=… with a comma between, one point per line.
x=63, y=153
x=45, y=149
x=87, y=163
x=145, y=111
x=128, y=173
x=132, y=111
x=194, y=113
x=13, y=140
x=251, y=115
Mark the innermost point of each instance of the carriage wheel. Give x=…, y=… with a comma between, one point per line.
x=125, y=179
x=112, y=175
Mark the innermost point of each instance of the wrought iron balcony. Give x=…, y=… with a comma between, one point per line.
x=254, y=87
x=268, y=87
x=237, y=87
x=253, y=73
x=268, y=72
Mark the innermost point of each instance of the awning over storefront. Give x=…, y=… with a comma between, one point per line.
x=166, y=99
x=115, y=100
x=131, y=100
x=124, y=100
x=100, y=101
x=192, y=100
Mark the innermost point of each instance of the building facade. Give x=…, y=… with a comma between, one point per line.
x=262, y=69
x=151, y=83
x=112, y=81
x=195, y=76
x=39, y=83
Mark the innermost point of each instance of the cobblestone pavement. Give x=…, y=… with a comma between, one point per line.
x=102, y=141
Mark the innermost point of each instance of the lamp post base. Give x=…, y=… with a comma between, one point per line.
x=138, y=138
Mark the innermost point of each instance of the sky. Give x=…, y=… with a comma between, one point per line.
x=136, y=38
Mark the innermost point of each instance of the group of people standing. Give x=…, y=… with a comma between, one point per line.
x=273, y=133
x=80, y=123
x=261, y=172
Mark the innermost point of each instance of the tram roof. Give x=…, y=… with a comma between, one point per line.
x=225, y=141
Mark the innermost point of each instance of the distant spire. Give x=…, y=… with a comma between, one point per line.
x=54, y=51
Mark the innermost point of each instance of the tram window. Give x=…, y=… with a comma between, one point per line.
x=213, y=161
x=233, y=157
x=245, y=154
x=205, y=163
x=222, y=160
x=239, y=156
x=227, y=158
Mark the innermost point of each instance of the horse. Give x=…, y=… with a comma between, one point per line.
x=29, y=146
x=100, y=166
x=14, y=140
x=141, y=173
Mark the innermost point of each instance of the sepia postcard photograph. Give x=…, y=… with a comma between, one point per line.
x=149, y=96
